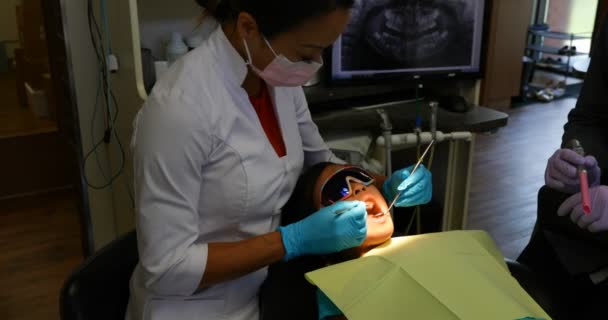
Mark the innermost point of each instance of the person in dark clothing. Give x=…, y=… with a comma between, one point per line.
x=568, y=247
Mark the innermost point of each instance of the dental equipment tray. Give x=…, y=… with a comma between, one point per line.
x=403, y=117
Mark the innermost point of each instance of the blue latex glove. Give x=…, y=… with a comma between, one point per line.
x=325, y=231
x=417, y=189
x=562, y=171
x=327, y=309
x=597, y=221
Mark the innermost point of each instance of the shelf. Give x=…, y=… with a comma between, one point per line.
x=534, y=50
x=553, y=66
x=563, y=70
x=561, y=35
x=553, y=50
x=535, y=86
x=151, y=23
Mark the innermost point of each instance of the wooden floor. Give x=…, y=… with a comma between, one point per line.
x=39, y=247
x=508, y=171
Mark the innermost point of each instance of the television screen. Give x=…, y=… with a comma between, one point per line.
x=410, y=38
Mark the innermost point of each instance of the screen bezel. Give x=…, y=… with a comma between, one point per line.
x=410, y=77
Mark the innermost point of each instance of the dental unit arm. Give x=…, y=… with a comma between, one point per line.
x=459, y=162
x=387, y=127
x=403, y=141
x=409, y=140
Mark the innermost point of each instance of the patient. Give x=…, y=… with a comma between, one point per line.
x=286, y=294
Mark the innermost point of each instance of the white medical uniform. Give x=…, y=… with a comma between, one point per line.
x=206, y=172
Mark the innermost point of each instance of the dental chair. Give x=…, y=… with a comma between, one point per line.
x=99, y=287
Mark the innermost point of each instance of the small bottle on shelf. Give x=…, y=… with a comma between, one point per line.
x=176, y=47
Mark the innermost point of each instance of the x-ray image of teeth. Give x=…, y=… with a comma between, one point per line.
x=409, y=34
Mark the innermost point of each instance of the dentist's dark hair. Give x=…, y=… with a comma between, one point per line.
x=273, y=16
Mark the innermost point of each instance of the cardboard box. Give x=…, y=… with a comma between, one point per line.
x=36, y=100
x=30, y=72
x=33, y=71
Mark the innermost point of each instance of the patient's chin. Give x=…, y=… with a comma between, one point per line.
x=379, y=228
x=370, y=243
x=378, y=240
x=377, y=235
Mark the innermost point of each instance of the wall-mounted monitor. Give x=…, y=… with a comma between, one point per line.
x=411, y=39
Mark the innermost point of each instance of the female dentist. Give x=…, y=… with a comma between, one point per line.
x=218, y=148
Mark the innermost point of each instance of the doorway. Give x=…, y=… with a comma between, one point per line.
x=44, y=229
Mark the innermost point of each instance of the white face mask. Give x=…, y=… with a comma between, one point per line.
x=284, y=73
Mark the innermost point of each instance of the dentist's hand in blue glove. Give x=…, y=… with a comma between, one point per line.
x=417, y=188
x=326, y=231
x=597, y=220
x=562, y=171
x=327, y=309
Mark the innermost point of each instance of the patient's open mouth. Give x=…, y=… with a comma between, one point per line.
x=379, y=217
x=372, y=211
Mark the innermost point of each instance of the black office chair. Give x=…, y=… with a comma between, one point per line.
x=537, y=287
x=99, y=288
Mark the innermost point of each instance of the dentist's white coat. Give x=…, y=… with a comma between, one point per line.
x=205, y=172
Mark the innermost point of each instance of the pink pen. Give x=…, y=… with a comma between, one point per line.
x=575, y=145
x=582, y=174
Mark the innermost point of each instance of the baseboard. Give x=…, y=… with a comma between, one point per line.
x=36, y=193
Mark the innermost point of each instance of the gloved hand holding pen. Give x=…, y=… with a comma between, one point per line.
x=597, y=220
x=562, y=171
